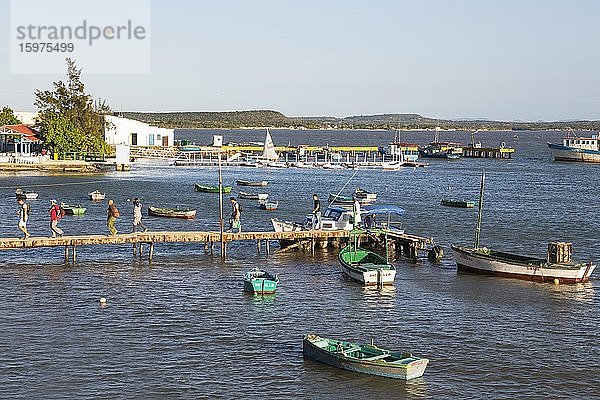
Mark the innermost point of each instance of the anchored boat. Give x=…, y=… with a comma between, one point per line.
x=258, y=281
x=253, y=196
x=366, y=266
x=364, y=358
x=241, y=182
x=22, y=194
x=458, y=203
x=557, y=265
x=73, y=210
x=585, y=149
x=96, y=195
x=211, y=189
x=186, y=213
x=268, y=205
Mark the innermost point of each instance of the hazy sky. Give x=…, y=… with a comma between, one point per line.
x=510, y=60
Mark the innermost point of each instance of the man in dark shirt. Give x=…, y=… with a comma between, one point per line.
x=316, y=212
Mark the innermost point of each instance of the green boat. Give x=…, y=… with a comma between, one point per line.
x=364, y=358
x=257, y=281
x=366, y=266
x=211, y=189
x=73, y=210
x=458, y=203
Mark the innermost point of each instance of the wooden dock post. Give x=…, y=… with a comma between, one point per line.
x=67, y=253
x=267, y=246
x=258, y=246
x=74, y=254
x=151, y=251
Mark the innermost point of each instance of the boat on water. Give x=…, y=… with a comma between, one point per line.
x=365, y=194
x=347, y=200
x=211, y=189
x=253, y=196
x=186, y=213
x=73, y=209
x=366, y=267
x=22, y=194
x=583, y=149
x=443, y=150
x=268, y=205
x=241, y=182
x=364, y=358
x=458, y=203
x=96, y=195
x=556, y=267
x=258, y=281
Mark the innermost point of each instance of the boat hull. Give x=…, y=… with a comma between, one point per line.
x=458, y=204
x=260, y=286
x=469, y=261
x=183, y=214
x=369, y=276
x=211, y=189
x=567, y=153
x=407, y=371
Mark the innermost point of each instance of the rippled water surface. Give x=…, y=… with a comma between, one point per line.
x=183, y=328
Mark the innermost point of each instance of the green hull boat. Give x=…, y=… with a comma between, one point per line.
x=211, y=189
x=458, y=203
x=257, y=281
x=366, y=267
x=73, y=210
x=364, y=358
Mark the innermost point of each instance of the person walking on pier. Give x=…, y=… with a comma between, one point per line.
x=112, y=215
x=56, y=213
x=316, y=212
x=137, y=216
x=23, y=214
x=235, y=224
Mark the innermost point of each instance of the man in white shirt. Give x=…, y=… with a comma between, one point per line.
x=23, y=213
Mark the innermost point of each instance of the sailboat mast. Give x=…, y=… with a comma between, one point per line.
x=478, y=229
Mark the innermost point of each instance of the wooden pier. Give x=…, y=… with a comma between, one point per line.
x=409, y=244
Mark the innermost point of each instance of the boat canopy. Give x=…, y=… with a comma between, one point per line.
x=383, y=209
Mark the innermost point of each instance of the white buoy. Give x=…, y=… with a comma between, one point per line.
x=103, y=300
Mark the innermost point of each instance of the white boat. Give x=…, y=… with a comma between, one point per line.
x=254, y=196
x=96, y=195
x=269, y=152
x=332, y=166
x=22, y=194
x=557, y=265
x=391, y=166
x=366, y=267
x=490, y=262
x=583, y=149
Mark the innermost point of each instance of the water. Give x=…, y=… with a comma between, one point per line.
x=183, y=328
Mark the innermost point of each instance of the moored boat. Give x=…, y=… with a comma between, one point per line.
x=73, y=209
x=366, y=266
x=258, y=281
x=186, y=213
x=22, y=194
x=253, y=196
x=458, y=203
x=211, y=189
x=583, y=149
x=365, y=194
x=268, y=205
x=96, y=195
x=348, y=200
x=364, y=358
x=241, y=182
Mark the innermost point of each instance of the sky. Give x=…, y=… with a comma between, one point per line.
x=506, y=60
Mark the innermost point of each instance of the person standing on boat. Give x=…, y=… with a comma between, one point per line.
x=356, y=210
x=316, y=212
x=235, y=224
x=112, y=215
x=56, y=213
x=137, y=216
x=23, y=214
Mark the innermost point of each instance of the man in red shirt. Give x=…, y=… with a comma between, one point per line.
x=56, y=213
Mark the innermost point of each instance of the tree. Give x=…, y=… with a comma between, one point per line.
x=69, y=119
x=7, y=117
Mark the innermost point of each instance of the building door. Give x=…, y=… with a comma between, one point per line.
x=133, y=139
x=151, y=140
x=165, y=140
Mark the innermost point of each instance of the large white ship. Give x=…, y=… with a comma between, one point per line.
x=584, y=149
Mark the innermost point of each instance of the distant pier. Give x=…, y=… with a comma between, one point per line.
x=407, y=244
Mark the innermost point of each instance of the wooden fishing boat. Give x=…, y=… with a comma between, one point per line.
x=96, y=195
x=365, y=194
x=22, y=194
x=257, y=281
x=72, y=209
x=366, y=266
x=364, y=358
x=556, y=267
x=458, y=203
x=211, y=189
x=241, y=182
x=253, y=196
x=186, y=213
x=268, y=205
x=348, y=200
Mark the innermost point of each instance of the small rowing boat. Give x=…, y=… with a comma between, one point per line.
x=96, y=195
x=22, y=194
x=241, y=182
x=73, y=210
x=211, y=189
x=268, y=205
x=458, y=203
x=257, y=281
x=186, y=213
x=253, y=196
x=366, y=266
x=364, y=358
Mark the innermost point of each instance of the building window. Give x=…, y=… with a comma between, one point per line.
x=133, y=140
x=151, y=140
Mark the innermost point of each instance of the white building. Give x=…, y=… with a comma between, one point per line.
x=135, y=133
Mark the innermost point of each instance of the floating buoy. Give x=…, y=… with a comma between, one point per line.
x=103, y=301
x=556, y=281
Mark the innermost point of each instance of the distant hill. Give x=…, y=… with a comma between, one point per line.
x=275, y=119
